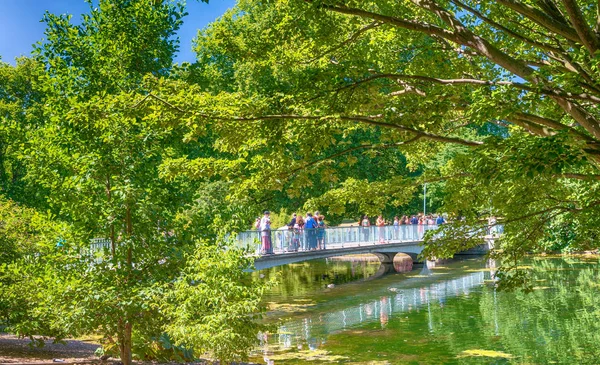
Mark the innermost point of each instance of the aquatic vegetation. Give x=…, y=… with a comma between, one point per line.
x=485, y=353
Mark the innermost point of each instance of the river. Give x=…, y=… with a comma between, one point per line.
x=356, y=312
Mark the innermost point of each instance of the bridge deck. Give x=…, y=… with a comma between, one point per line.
x=412, y=248
x=290, y=246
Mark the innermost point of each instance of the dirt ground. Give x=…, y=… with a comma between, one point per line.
x=14, y=350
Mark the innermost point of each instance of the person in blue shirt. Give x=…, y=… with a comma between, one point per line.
x=439, y=220
x=310, y=227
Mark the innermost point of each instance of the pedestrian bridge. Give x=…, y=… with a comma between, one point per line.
x=384, y=242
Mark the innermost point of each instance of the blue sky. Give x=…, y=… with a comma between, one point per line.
x=20, y=25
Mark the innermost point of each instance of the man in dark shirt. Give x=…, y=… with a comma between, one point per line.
x=293, y=221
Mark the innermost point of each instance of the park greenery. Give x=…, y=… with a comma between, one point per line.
x=347, y=107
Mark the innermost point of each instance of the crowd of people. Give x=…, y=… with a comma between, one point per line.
x=308, y=232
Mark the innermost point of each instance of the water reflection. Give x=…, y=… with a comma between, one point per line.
x=313, y=330
x=307, y=277
x=446, y=314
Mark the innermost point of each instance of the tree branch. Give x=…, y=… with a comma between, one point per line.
x=547, y=122
x=585, y=119
x=362, y=119
x=350, y=39
x=581, y=27
x=482, y=46
x=533, y=128
x=426, y=28
x=462, y=35
x=518, y=85
x=580, y=177
x=541, y=19
x=351, y=149
x=500, y=27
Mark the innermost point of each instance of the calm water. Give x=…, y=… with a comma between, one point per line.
x=447, y=314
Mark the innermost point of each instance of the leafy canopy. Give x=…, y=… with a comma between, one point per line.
x=497, y=99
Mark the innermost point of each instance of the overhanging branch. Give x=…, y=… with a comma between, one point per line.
x=361, y=119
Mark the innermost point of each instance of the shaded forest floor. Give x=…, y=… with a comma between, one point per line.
x=14, y=350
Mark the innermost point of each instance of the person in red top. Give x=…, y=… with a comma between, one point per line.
x=265, y=230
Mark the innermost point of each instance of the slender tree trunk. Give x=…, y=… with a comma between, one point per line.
x=129, y=226
x=112, y=225
x=2, y=169
x=125, y=342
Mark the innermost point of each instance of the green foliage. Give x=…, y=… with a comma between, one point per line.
x=566, y=320
x=18, y=93
x=300, y=105
x=28, y=243
x=351, y=108
x=88, y=125
x=217, y=284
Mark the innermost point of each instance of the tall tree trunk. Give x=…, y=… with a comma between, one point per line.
x=129, y=227
x=112, y=225
x=125, y=342
x=2, y=170
x=125, y=327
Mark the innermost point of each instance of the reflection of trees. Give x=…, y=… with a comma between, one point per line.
x=558, y=322
x=456, y=329
x=298, y=279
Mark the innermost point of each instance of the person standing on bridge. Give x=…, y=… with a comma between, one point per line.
x=257, y=226
x=413, y=230
x=301, y=237
x=265, y=231
x=321, y=232
x=290, y=226
x=396, y=227
x=310, y=228
x=366, y=225
x=295, y=238
x=440, y=220
x=381, y=228
x=293, y=221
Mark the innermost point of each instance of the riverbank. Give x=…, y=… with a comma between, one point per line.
x=19, y=351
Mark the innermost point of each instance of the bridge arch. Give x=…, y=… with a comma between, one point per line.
x=399, y=261
x=385, y=253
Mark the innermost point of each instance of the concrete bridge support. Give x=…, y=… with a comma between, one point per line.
x=399, y=261
x=388, y=257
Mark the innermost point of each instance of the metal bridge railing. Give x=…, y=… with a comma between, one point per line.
x=293, y=240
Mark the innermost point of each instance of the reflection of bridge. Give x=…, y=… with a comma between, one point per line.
x=290, y=246
x=314, y=329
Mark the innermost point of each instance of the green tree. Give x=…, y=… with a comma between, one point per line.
x=27, y=239
x=18, y=93
x=101, y=138
x=502, y=94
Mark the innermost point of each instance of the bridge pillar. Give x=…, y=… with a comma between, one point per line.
x=397, y=260
x=386, y=257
